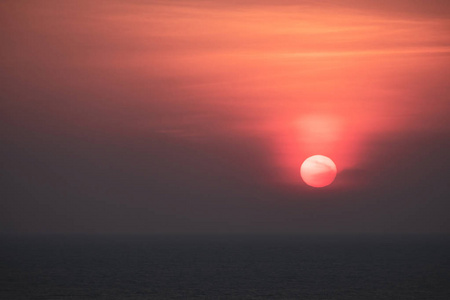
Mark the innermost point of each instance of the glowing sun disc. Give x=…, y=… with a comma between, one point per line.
x=318, y=171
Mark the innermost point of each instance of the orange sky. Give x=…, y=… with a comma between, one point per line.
x=302, y=78
x=195, y=116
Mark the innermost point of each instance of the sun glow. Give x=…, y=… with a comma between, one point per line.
x=318, y=171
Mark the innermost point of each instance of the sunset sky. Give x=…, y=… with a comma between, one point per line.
x=195, y=116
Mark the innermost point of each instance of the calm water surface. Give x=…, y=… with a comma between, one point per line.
x=225, y=267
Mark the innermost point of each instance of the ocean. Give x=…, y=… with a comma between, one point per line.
x=225, y=267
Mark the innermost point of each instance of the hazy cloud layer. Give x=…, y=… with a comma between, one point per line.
x=194, y=116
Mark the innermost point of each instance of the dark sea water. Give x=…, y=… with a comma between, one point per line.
x=225, y=267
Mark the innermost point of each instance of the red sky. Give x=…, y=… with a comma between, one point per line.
x=245, y=89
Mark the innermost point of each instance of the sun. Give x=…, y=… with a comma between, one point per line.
x=318, y=171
